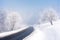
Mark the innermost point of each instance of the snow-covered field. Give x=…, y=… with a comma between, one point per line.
x=36, y=35
x=46, y=32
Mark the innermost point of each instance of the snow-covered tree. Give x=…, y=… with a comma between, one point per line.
x=13, y=21
x=49, y=15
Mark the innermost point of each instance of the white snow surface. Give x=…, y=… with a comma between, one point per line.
x=36, y=35
x=52, y=31
x=45, y=31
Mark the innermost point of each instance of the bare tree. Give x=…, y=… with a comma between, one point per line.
x=49, y=15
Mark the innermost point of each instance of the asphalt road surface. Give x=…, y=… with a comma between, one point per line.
x=19, y=35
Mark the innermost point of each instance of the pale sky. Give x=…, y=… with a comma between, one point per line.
x=30, y=9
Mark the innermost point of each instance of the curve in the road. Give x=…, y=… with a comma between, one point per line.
x=19, y=35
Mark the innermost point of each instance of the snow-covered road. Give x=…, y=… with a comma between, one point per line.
x=17, y=34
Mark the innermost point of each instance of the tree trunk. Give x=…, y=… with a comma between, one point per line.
x=51, y=22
